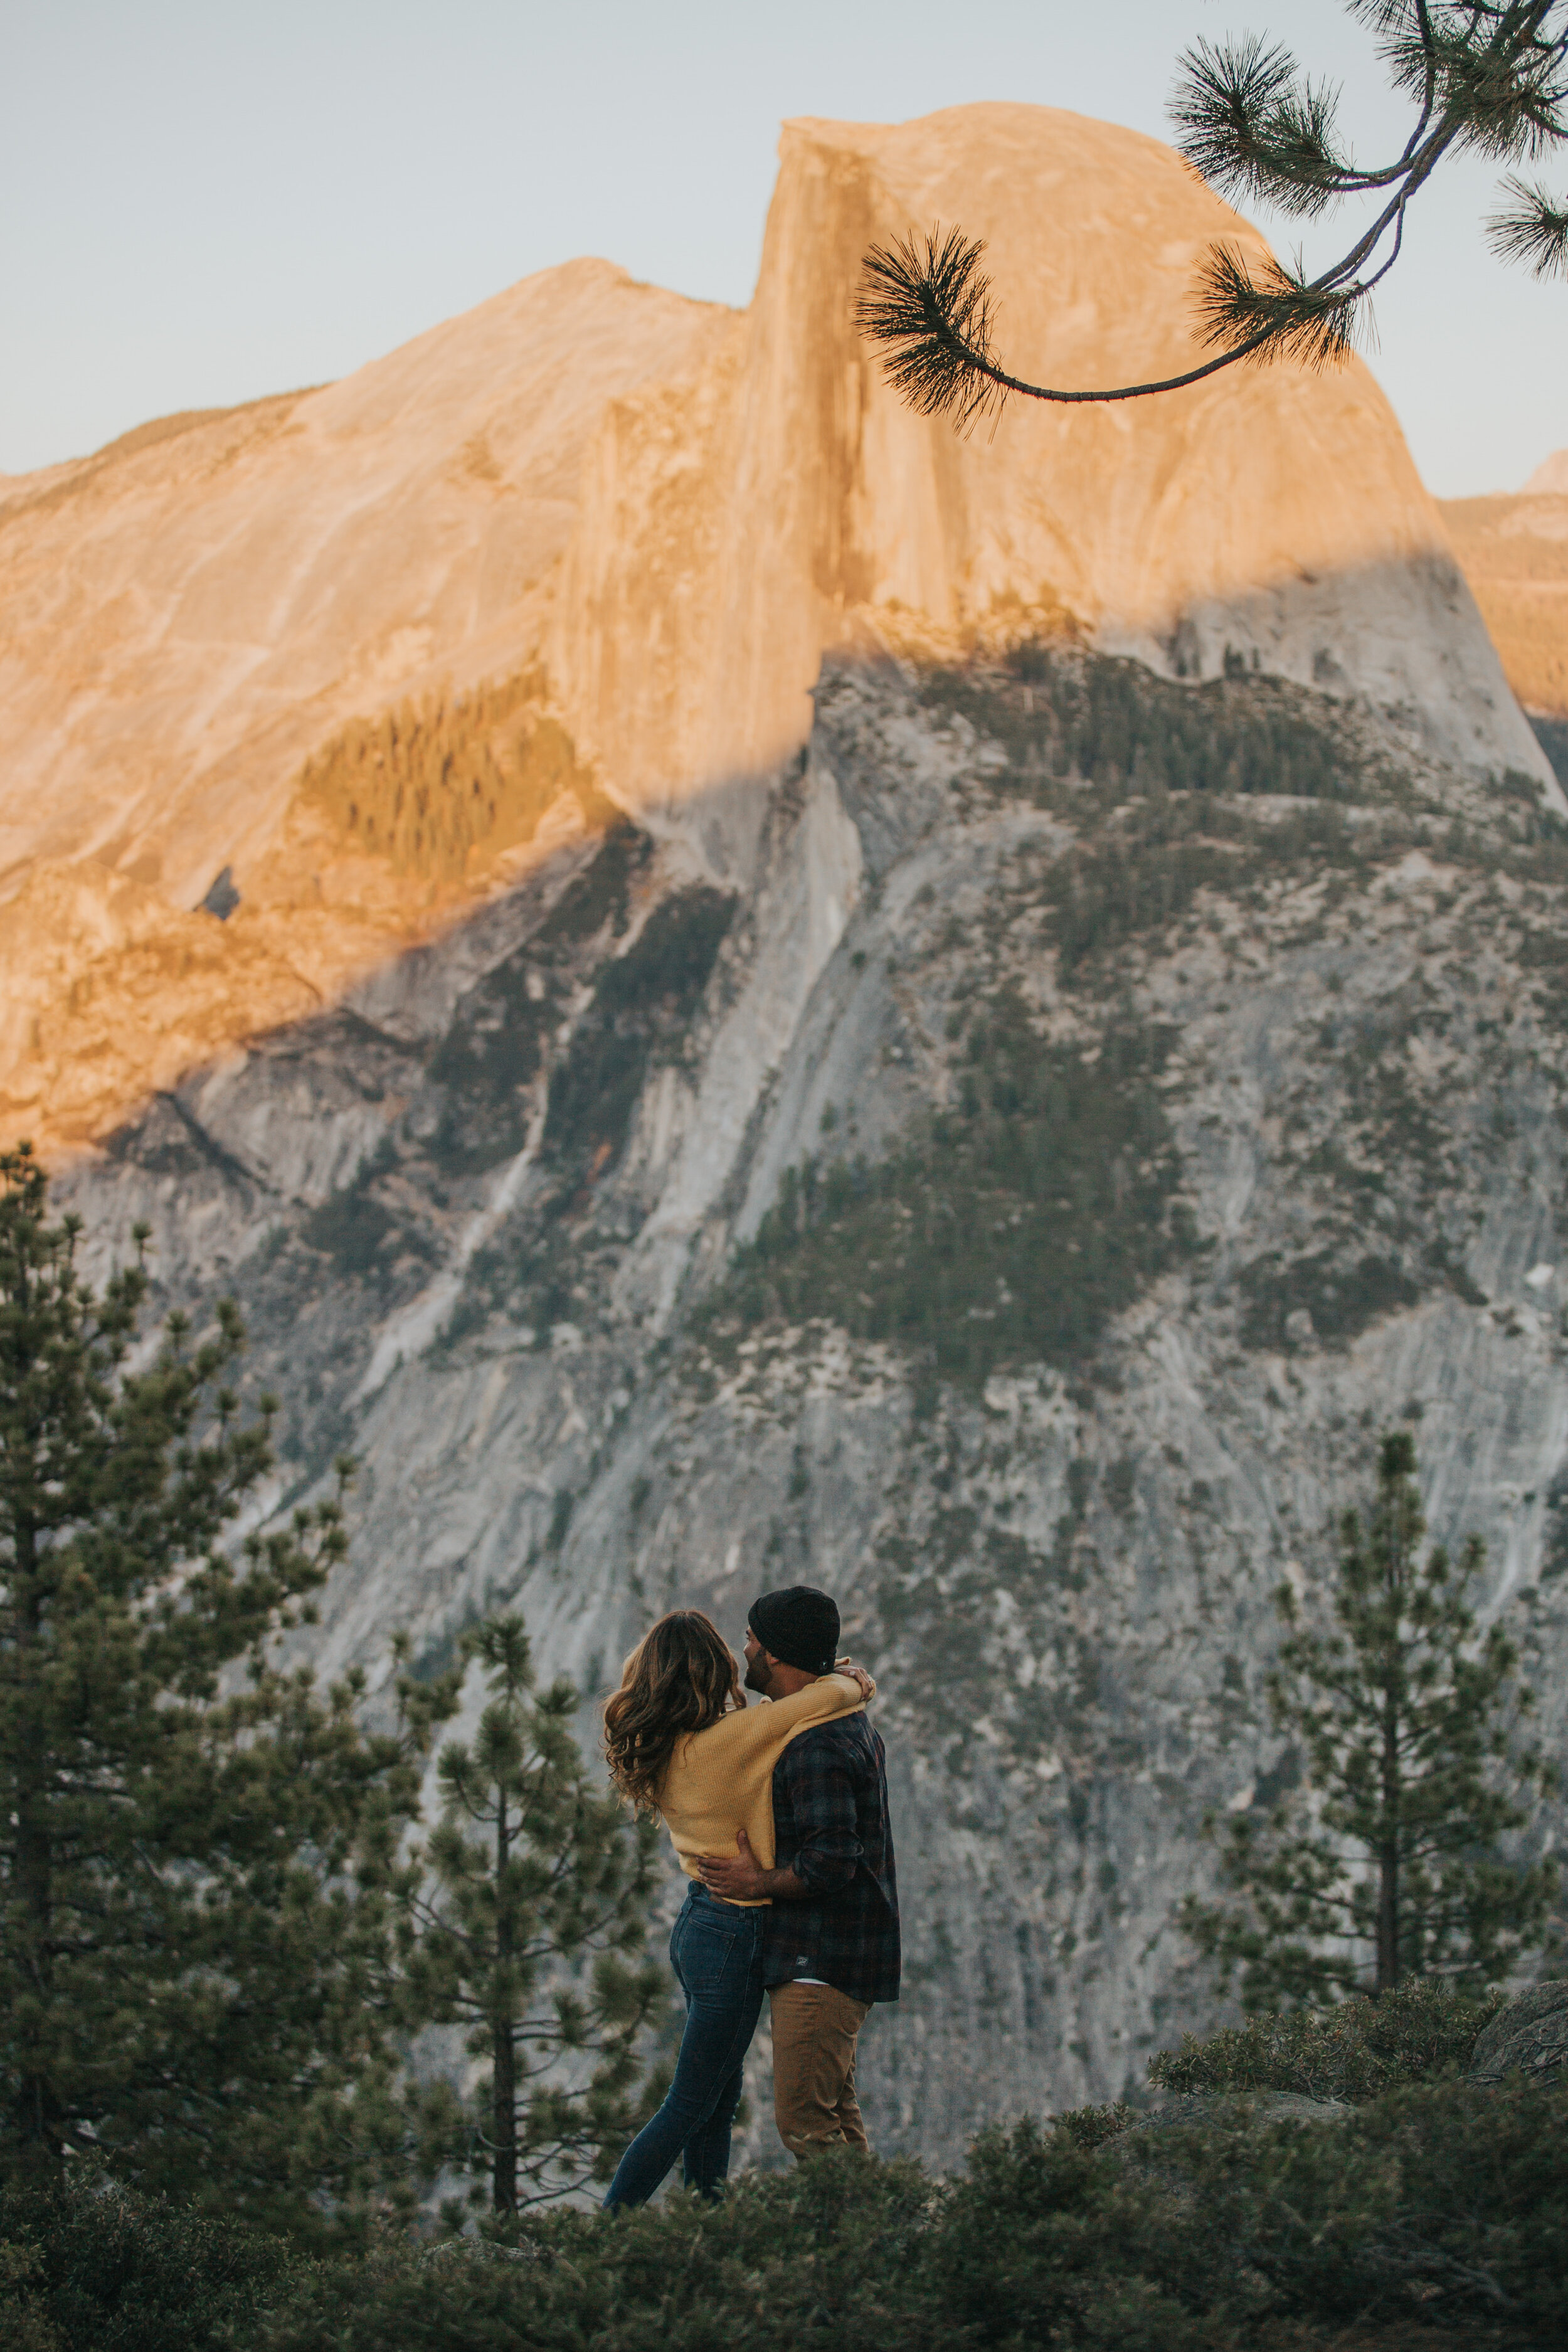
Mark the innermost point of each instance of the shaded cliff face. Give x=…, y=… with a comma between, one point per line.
x=639, y=523
x=1013, y=1193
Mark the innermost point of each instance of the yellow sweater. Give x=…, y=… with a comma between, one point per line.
x=721, y=1781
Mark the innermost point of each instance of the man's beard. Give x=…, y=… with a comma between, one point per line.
x=759, y=1674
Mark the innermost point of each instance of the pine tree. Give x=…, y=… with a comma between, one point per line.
x=1387, y=1858
x=524, y=1923
x=1488, y=79
x=194, y=1843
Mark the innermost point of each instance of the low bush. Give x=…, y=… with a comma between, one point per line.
x=1043, y=2240
x=25, y=2324
x=828, y=2256
x=1353, y=2051
x=1436, y=2210
x=1436, y=2202
x=89, y=2268
x=1440, y=2200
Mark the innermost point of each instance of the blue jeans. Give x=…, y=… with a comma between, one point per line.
x=716, y=1952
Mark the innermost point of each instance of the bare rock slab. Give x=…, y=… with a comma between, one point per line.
x=1530, y=2037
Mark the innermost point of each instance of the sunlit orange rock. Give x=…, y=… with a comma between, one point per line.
x=644, y=519
x=1514, y=550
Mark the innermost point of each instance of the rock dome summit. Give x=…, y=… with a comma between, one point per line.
x=639, y=523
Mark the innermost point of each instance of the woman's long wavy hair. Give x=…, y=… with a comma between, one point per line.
x=680, y=1679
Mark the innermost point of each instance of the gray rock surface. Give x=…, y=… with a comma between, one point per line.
x=1530, y=2037
x=1165, y=1145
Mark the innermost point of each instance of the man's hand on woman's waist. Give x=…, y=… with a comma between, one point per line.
x=743, y=1879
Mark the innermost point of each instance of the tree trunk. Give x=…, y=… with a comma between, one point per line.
x=504, y=2104
x=37, y=2113
x=1388, y=1920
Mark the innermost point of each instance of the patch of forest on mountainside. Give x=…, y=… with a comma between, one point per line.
x=441, y=787
x=1010, y=1229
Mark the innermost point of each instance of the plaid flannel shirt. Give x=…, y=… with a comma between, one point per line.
x=831, y=1828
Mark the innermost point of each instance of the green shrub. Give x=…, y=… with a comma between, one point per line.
x=1436, y=2202
x=88, y=2268
x=25, y=2324
x=1352, y=2052
x=826, y=2257
x=1042, y=2242
x=1091, y=2128
x=1438, y=2198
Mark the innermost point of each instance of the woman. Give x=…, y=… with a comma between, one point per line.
x=682, y=1742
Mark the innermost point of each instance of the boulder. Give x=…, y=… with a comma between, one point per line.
x=1530, y=2037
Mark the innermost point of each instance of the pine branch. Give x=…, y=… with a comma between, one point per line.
x=932, y=313
x=1491, y=77
x=1507, y=91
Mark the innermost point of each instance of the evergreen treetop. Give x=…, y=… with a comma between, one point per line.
x=523, y=1922
x=1387, y=1861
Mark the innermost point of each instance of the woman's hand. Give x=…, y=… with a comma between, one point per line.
x=856, y=1674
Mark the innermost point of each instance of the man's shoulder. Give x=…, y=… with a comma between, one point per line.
x=851, y=1739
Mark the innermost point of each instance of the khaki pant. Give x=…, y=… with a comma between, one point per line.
x=814, y=2105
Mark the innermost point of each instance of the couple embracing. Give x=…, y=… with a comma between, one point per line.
x=779, y=1814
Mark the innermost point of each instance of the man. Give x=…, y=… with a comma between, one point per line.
x=831, y=1944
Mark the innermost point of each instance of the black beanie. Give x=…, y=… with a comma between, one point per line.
x=799, y=1626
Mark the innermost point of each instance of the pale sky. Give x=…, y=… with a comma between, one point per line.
x=205, y=200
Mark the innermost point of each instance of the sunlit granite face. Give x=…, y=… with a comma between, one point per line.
x=642, y=521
